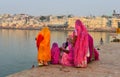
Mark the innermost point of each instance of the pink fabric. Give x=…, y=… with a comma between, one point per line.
x=67, y=58
x=81, y=45
x=55, y=54
x=96, y=54
x=93, y=52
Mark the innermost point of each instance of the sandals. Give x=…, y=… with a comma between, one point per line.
x=40, y=64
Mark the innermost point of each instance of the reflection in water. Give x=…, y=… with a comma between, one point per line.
x=18, y=51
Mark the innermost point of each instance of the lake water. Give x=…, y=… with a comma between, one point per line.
x=18, y=51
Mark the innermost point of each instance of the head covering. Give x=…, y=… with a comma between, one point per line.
x=80, y=27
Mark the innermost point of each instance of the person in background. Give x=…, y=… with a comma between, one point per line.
x=80, y=44
x=43, y=46
x=101, y=41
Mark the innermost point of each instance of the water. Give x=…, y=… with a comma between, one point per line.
x=18, y=51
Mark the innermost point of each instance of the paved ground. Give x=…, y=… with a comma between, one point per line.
x=108, y=66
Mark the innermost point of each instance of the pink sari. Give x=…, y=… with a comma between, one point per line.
x=67, y=58
x=81, y=45
x=55, y=54
x=94, y=55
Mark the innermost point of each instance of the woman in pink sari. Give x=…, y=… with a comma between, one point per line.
x=55, y=53
x=80, y=42
x=67, y=56
x=94, y=55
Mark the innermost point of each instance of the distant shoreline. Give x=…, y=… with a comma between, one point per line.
x=60, y=29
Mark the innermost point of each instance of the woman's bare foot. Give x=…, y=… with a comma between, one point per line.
x=45, y=63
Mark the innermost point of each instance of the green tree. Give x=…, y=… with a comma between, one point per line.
x=42, y=18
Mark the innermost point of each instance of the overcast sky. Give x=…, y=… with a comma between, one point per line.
x=60, y=7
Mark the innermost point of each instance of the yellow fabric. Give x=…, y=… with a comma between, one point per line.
x=44, y=47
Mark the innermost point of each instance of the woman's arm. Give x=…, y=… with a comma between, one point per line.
x=64, y=50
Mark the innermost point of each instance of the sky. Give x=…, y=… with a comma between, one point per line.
x=60, y=7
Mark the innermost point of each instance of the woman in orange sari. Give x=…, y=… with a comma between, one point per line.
x=43, y=46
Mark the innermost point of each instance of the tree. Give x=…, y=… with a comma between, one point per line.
x=42, y=18
x=70, y=16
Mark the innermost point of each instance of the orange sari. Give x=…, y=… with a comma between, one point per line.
x=43, y=45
